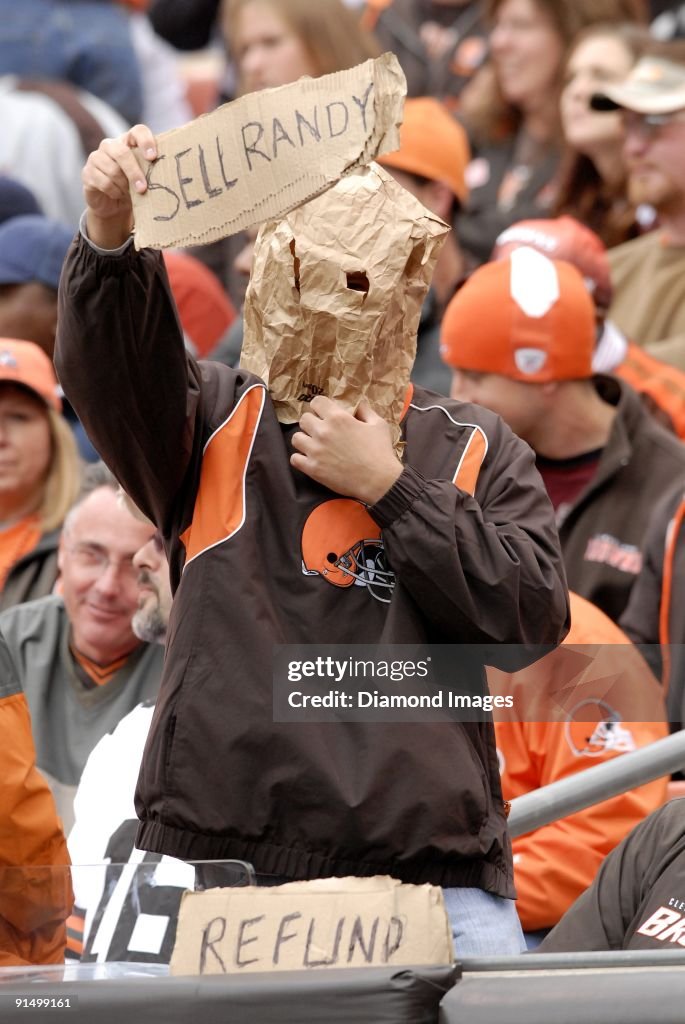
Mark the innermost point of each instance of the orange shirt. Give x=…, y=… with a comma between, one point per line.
x=555, y=863
x=99, y=674
x=17, y=540
x=37, y=898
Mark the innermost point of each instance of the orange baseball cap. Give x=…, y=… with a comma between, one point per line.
x=563, y=238
x=25, y=363
x=432, y=145
x=525, y=317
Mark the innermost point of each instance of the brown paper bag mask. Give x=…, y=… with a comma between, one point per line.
x=335, y=296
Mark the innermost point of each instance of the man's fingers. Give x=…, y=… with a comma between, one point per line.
x=120, y=152
x=323, y=406
x=302, y=442
x=309, y=423
x=365, y=413
x=300, y=462
x=141, y=137
x=103, y=174
x=123, y=155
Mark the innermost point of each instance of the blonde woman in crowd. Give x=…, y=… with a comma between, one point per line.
x=275, y=42
x=39, y=472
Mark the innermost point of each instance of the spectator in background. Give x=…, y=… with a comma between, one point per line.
x=205, y=311
x=661, y=387
x=655, y=616
x=104, y=801
x=186, y=24
x=275, y=42
x=649, y=272
x=613, y=688
x=165, y=101
x=34, y=863
x=430, y=164
x=520, y=335
x=439, y=43
x=32, y=251
x=48, y=128
x=15, y=199
x=39, y=472
x=87, y=43
x=81, y=666
x=593, y=182
x=635, y=902
x=512, y=112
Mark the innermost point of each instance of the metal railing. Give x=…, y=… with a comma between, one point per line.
x=597, y=959
x=602, y=781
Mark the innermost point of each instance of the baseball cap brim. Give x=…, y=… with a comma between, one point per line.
x=654, y=86
x=639, y=100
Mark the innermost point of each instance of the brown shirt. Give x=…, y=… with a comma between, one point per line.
x=649, y=295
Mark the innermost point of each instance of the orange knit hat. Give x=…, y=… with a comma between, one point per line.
x=23, y=362
x=432, y=145
x=525, y=317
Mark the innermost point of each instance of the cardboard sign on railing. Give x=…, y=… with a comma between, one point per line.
x=332, y=922
x=262, y=155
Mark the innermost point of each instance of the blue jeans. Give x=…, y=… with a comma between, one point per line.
x=85, y=42
x=483, y=924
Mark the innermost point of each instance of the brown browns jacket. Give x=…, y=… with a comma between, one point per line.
x=467, y=531
x=655, y=615
x=636, y=900
x=603, y=534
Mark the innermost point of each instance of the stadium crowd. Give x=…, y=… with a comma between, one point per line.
x=164, y=527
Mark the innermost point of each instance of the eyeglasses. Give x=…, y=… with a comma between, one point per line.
x=649, y=125
x=96, y=560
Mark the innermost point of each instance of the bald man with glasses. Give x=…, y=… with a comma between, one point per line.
x=78, y=660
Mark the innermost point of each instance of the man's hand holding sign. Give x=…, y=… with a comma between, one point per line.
x=110, y=174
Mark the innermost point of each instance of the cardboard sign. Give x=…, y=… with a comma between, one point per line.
x=262, y=155
x=331, y=922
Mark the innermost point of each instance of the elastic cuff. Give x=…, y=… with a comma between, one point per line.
x=403, y=493
x=96, y=248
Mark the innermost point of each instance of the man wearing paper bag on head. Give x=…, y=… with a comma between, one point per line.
x=322, y=501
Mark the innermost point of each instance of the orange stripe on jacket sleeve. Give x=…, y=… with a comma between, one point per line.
x=666, y=592
x=220, y=503
x=468, y=469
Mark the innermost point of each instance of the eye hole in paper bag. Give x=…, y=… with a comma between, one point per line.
x=357, y=281
x=296, y=266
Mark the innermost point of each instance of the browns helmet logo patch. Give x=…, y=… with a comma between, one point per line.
x=341, y=543
x=594, y=728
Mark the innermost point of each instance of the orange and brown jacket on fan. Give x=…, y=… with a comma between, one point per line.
x=35, y=881
x=601, y=668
